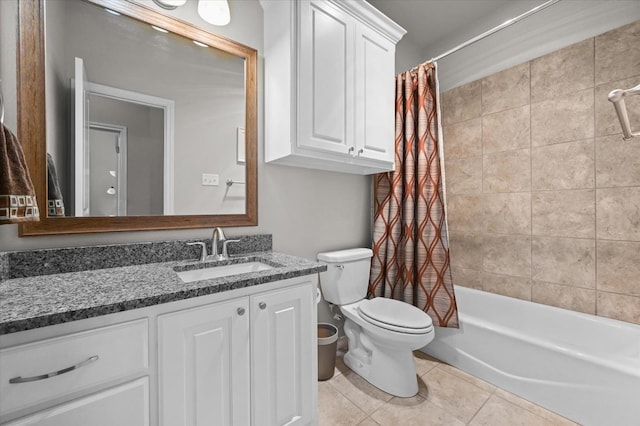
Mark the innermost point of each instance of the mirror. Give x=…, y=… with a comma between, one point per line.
x=160, y=136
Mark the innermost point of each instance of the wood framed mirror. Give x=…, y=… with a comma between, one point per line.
x=32, y=129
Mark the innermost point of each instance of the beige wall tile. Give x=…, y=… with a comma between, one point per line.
x=508, y=171
x=517, y=287
x=607, y=122
x=507, y=255
x=462, y=139
x=617, y=161
x=465, y=213
x=563, y=71
x=464, y=175
x=567, y=165
x=508, y=213
x=563, y=119
x=455, y=395
x=618, y=212
x=465, y=250
x=506, y=89
x=564, y=296
x=618, y=53
x=619, y=306
x=467, y=278
x=461, y=103
x=619, y=267
x=568, y=261
x=506, y=130
x=568, y=213
x=368, y=422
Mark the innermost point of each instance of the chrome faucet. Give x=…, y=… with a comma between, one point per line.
x=217, y=236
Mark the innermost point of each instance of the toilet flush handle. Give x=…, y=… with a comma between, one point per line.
x=340, y=266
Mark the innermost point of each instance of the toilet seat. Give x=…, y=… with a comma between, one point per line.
x=395, y=315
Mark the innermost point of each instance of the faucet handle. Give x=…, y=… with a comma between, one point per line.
x=225, y=253
x=203, y=252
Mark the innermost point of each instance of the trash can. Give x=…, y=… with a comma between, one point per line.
x=327, y=348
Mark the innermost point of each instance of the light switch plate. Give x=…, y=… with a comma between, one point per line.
x=209, y=179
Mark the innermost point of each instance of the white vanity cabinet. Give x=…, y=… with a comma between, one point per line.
x=109, y=363
x=246, y=361
x=329, y=85
x=233, y=358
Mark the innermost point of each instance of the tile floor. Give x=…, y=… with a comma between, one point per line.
x=447, y=396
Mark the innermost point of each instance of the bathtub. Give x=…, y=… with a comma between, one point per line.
x=584, y=367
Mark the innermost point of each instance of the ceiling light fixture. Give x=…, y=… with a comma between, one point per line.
x=215, y=12
x=169, y=4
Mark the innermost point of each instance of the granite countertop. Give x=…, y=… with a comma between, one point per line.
x=38, y=301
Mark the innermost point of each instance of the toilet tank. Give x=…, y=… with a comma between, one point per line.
x=347, y=276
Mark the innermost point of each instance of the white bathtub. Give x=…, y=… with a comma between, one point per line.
x=584, y=367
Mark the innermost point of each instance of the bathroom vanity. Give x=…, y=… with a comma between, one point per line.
x=144, y=347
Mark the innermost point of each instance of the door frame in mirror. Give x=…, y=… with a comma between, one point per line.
x=32, y=124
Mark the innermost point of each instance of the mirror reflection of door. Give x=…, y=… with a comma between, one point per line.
x=145, y=159
x=107, y=147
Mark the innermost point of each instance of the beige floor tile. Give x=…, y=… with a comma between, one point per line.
x=341, y=367
x=535, y=409
x=413, y=411
x=424, y=362
x=335, y=409
x=368, y=422
x=362, y=393
x=468, y=377
x=500, y=412
x=455, y=395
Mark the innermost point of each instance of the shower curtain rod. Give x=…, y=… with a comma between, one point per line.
x=493, y=30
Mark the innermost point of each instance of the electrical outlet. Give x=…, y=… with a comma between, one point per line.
x=209, y=179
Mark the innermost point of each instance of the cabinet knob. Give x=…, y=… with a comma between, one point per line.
x=262, y=305
x=361, y=151
x=240, y=311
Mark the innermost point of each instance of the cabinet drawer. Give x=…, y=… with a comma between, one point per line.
x=100, y=356
x=126, y=404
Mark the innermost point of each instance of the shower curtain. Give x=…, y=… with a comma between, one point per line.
x=410, y=244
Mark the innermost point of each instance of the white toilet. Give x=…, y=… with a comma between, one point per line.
x=382, y=333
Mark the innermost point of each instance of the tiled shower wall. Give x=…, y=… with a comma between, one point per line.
x=543, y=194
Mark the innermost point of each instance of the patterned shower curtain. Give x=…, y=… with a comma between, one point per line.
x=410, y=244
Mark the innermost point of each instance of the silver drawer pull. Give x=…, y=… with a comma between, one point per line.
x=21, y=379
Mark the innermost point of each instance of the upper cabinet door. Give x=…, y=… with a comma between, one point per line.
x=203, y=364
x=284, y=360
x=375, y=95
x=325, y=88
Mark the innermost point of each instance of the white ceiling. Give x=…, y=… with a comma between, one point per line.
x=437, y=25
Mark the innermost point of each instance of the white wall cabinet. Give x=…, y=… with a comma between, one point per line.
x=329, y=85
x=236, y=358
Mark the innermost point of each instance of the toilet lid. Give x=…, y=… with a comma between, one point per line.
x=395, y=315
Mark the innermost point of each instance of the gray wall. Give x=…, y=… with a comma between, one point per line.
x=307, y=211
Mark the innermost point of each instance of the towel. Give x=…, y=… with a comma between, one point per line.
x=55, y=204
x=17, y=196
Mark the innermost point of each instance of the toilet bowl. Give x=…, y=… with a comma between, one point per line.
x=382, y=333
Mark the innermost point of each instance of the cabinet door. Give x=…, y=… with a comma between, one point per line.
x=375, y=95
x=127, y=404
x=203, y=365
x=325, y=81
x=283, y=349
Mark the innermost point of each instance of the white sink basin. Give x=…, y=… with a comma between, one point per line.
x=222, y=271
